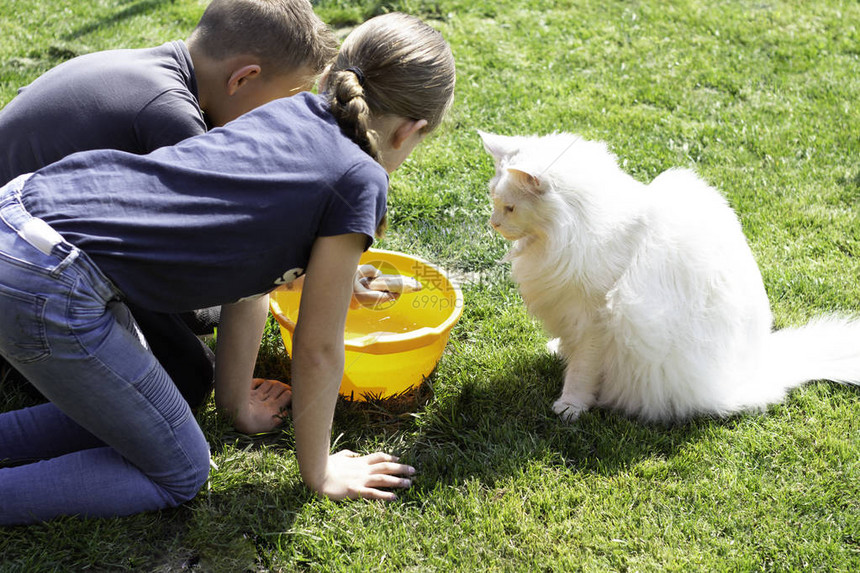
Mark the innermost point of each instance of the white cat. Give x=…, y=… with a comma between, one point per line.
x=651, y=290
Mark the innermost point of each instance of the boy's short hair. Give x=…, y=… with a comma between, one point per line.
x=283, y=34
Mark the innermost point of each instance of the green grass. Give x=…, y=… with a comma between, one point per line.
x=761, y=98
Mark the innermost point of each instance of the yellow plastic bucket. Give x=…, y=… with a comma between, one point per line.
x=394, y=346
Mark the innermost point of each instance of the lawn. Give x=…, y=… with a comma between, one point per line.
x=760, y=98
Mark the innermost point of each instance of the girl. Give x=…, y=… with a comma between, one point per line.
x=297, y=186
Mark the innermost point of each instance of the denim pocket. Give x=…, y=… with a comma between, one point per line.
x=22, y=325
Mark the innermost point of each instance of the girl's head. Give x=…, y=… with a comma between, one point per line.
x=394, y=75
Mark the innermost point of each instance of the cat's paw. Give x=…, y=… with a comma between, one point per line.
x=554, y=346
x=568, y=411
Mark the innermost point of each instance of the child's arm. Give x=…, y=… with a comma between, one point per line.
x=317, y=370
x=252, y=405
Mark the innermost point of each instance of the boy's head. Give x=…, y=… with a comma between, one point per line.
x=249, y=52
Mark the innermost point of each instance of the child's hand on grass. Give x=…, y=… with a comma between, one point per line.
x=352, y=476
x=265, y=403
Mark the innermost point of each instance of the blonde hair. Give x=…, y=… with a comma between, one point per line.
x=284, y=34
x=394, y=64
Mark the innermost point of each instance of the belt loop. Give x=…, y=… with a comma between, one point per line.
x=71, y=257
x=17, y=184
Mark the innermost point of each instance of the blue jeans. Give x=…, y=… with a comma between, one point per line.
x=116, y=437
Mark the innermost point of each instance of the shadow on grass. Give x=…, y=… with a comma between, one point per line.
x=465, y=427
x=133, y=9
x=211, y=533
x=493, y=429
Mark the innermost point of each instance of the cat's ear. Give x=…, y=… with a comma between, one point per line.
x=526, y=180
x=499, y=146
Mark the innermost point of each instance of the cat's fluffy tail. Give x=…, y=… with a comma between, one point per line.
x=827, y=348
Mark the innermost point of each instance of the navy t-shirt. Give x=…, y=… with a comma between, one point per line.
x=219, y=217
x=132, y=100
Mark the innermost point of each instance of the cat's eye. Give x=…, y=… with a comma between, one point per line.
x=509, y=208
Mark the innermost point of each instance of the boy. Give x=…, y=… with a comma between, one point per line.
x=242, y=54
